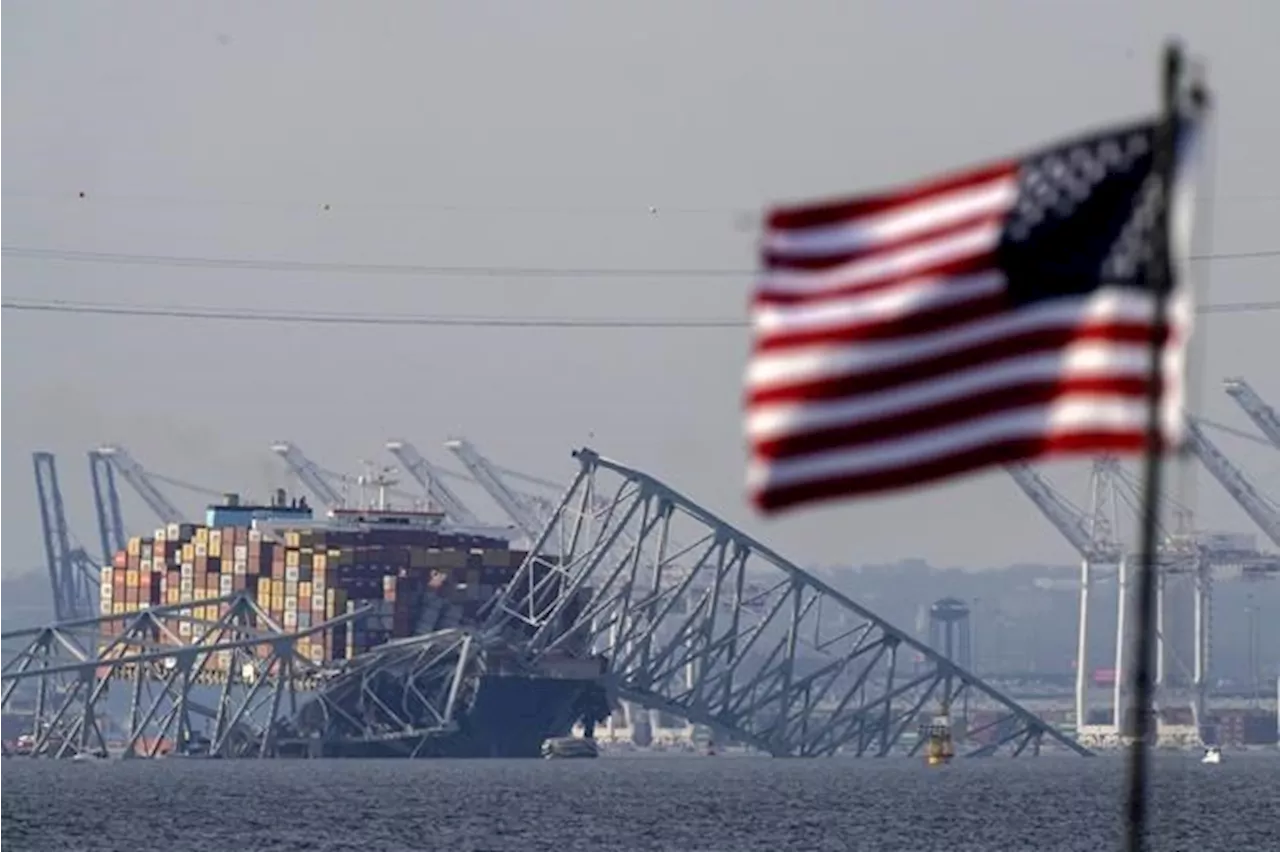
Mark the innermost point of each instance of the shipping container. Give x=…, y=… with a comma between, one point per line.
x=306, y=577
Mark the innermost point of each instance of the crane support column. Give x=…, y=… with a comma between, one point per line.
x=1082, y=647
x=1091, y=535
x=1122, y=607
x=1161, y=647
x=1203, y=598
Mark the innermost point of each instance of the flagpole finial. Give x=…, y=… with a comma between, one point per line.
x=1173, y=62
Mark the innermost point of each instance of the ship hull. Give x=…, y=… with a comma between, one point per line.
x=510, y=716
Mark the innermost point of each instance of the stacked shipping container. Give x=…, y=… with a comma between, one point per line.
x=412, y=577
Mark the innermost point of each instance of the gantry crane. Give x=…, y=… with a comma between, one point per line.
x=73, y=575
x=1093, y=536
x=431, y=478
x=1262, y=511
x=318, y=480
x=309, y=473
x=138, y=478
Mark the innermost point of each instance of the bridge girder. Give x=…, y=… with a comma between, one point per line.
x=432, y=675
x=248, y=668
x=726, y=633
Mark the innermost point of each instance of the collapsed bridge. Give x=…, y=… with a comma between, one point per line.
x=633, y=593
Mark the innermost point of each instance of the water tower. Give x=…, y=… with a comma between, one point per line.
x=949, y=631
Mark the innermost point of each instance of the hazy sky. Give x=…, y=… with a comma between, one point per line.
x=539, y=134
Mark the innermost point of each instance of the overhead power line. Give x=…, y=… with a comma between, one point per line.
x=424, y=270
x=409, y=207
x=418, y=270
x=322, y=206
x=322, y=318
x=195, y=312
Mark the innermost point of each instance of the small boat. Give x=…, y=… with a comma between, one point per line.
x=565, y=747
x=1212, y=754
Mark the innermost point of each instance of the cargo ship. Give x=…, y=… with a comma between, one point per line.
x=413, y=572
x=503, y=710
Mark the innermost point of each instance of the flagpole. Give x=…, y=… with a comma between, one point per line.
x=1161, y=281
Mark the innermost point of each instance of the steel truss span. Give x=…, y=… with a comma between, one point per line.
x=133, y=679
x=405, y=696
x=723, y=632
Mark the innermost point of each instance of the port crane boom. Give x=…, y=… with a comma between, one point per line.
x=431, y=478
x=138, y=478
x=1081, y=531
x=529, y=517
x=309, y=473
x=1263, y=512
x=1263, y=415
x=72, y=573
x=106, y=504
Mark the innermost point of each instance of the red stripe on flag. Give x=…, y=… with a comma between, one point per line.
x=925, y=369
x=787, y=259
x=965, y=266
x=815, y=215
x=943, y=415
x=776, y=499
x=904, y=325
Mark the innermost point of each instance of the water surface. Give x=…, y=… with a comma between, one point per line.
x=631, y=804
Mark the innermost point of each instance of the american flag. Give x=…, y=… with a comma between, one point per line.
x=991, y=316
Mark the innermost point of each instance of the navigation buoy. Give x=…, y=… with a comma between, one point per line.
x=939, y=748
